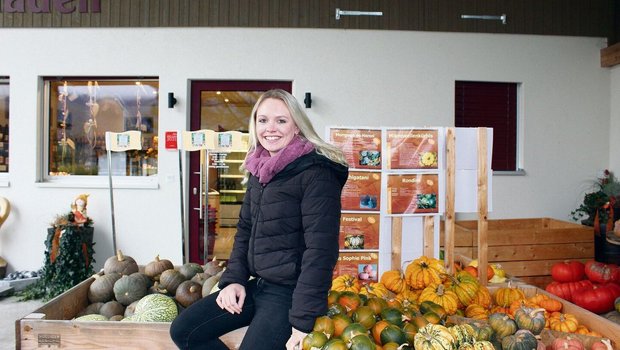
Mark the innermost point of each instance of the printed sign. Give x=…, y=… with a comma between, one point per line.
x=362, y=191
x=361, y=147
x=364, y=266
x=171, y=140
x=123, y=141
x=413, y=193
x=412, y=149
x=359, y=231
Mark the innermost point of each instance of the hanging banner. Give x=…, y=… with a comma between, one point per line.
x=359, y=231
x=123, y=141
x=362, y=191
x=412, y=149
x=361, y=147
x=413, y=193
x=363, y=265
x=199, y=139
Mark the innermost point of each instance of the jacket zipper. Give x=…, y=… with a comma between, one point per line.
x=253, y=233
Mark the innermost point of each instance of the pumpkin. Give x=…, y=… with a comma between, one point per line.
x=112, y=308
x=324, y=324
x=376, y=305
x=568, y=343
x=393, y=316
x=408, y=297
x=91, y=309
x=393, y=334
x=482, y=297
x=155, y=308
x=91, y=317
x=394, y=281
x=214, y=267
x=521, y=340
x=129, y=289
x=190, y=269
x=335, y=344
x=430, y=306
x=148, y=282
x=410, y=330
x=101, y=290
x=365, y=316
x=423, y=272
x=598, y=272
x=314, y=339
x=188, y=293
x=483, y=345
x=200, y=278
x=530, y=319
x=123, y=264
x=465, y=286
x=502, y=324
x=361, y=342
x=568, y=289
x=506, y=295
x=549, y=304
x=346, y=282
x=341, y=321
x=463, y=334
x=568, y=271
x=482, y=331
x=130, y=309
x=210, y=284
x=433, y=337
x=374, y=289
x=170, y=280
x=350, y=300
x=154, y=268
x=517, y=304
x=476, y=312
x=563, y=322
x=438, y=294
x=599, y=299
x=376, y=330
x=603, y=344
x=116, y=318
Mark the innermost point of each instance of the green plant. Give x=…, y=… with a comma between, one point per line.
x=599, y=202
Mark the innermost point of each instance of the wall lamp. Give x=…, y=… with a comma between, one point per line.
x=485, y=17
x=171, y=100
x=340, y=12
x=308, y=100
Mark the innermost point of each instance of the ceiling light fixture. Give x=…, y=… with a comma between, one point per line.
x=340, y=12
x=497, y=18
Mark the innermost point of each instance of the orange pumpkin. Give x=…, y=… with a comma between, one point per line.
x=438, y=294
x=346, y=283
x=549, y=304
x=465, y=286
x=423, y=272
x=476, y=312
x=506, y=295
x=517, y=304
x=482, y=297
x=374, y=289
x=394, y=281
x=563, y=322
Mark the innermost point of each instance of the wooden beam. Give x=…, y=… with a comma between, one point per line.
x=482, y=206
x=429, y=236
x=450, y=193
x=610, y=56
x=397, y=242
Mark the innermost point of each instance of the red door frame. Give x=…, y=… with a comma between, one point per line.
x=194, y=159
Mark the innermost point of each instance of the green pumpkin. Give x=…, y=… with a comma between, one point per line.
x=434, y=337
x=483, y=331
x=155, y=308
x=429, y=306
x=352, y=330
x=531, y=319
x=392, y=334
x=314, y=339
x=189, y=270
x=521, y=340
x=129, y=289
x=483, y=345
x=502, y=324
x=361, y=342
x=335, y=344
x=393, y=316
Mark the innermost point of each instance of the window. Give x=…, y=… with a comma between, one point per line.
x=81, y=110
x=493, y=105
x=4, y=125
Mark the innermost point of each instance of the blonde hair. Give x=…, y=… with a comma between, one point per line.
x=306, y=130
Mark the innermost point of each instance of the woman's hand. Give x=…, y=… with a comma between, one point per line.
x=231, y=298
x=294, y=342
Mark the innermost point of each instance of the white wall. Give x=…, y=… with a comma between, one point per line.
x=614, y=127
x=357, y=78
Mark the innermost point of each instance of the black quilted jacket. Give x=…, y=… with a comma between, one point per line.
x=288, y=234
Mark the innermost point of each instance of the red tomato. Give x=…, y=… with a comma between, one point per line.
x=599, y=299
x=598, y=272
x=567, y=290
x=568, y=271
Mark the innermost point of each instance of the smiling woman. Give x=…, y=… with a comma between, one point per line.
x=274, y=126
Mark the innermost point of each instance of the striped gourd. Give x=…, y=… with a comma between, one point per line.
x=156, y=308
x=434, y=337
x=462, y=333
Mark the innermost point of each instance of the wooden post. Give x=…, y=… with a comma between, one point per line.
x=397, y=242
x=450, y=191
x=482, y=206
x=429, y=236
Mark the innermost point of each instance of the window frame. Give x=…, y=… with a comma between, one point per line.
x=82, y=181
x=4, y=176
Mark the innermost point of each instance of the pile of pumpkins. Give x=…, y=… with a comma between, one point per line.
x=425, y=308
x=156, y=294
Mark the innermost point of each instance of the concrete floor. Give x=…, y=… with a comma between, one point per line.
x=11, y=310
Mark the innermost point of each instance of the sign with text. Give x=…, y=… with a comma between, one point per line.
x=359, y=231
x=363, y=265
x=412, y=149
x=362, y=191
x=361, y=147
x=413, y=193
x=171, y=140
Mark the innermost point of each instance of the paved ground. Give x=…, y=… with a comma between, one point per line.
x=11, y=310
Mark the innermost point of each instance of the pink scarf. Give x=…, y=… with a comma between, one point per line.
x=264, y=166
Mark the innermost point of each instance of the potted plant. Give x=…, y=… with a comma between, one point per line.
x=601, y=205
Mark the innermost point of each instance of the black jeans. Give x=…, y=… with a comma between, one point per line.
x=265, y=310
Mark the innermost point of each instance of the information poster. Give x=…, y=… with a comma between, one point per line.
x=364, y=266
x=361, y=147
x=413, y=193
x=359, y=231
x=412, y=149
x=362, y=191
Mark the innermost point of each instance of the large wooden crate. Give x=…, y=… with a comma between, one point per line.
x=527, y=248
x=50, y=327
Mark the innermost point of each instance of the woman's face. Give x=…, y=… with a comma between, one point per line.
x=275, y=127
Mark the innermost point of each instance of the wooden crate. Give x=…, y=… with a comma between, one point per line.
x=527, y=248
x=50, y=326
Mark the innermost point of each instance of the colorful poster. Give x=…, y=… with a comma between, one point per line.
x=362, y=191
x=361, y=147
x=412, y=149
x=365, y=266
x=359, y=231
x=413, y=193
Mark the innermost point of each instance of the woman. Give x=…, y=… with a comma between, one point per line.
x=287, y=237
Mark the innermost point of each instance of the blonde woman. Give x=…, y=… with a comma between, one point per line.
x=287, y=237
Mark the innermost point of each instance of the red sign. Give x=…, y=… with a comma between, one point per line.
x=171, y=140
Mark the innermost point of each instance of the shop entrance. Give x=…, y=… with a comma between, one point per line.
x=216, y=183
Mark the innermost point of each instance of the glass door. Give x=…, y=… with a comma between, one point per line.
x=215, y=187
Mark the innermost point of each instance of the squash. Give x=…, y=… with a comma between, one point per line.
x=521, y=340
x=90, y=309
x=214, y=267
x=314, y=339
x=482, y=297
x=476, y=312
x=148, y=282
x=506, y=295
x=568, y=271
x=563, y=322
x=376, y=330
x=116, y=318
x=156, y=267
x=482, y=331
x=519, y=303
x=190, y=269
x=211, y=283
x=123, y=264
x=463, y=334
x=112, y=308
x=394, y=281
x=423, y=272
x=130, y=309
x=568, y=343
x=188, y=293
x=502, y=324
x=350, y=300
x=438, y=294
x=351, y=331
x=374, y=289
x=365, y=316
x=335, y=344
x=361, y=342
x=434, y=337
x=430, y=306
x=200, y=278
x=128, y=289
x=101, y=290
x=341, y=321
x=325, y=325
x=155, y=308
x=465, y=286
x=346, y=282
x=483, y=345
x=91, y=317
x=376, y=305
x=530, y=319
x=393, y=334
x=170, y=280
x=549, y=304
x=393, y=316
